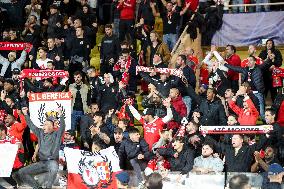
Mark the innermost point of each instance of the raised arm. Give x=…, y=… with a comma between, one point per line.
x=135, y=113
x=30, y=124
x=154, y=11
x=169, y=116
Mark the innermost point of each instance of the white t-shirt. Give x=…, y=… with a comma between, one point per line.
x=42, y=64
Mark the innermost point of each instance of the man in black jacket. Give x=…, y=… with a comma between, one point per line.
x=253, y=75
x=136, y=150
x=277, y=135
x=189, y=77
x=211, y=108
x=239, y=157
x=274, y=57
x=180, y=157
x=109, y=52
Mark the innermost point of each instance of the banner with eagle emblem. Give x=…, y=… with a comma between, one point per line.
x=87, y=170
x=45, y=105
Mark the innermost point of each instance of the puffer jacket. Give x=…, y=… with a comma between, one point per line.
x=213, y=112
x=256, y=74
x=184, y=161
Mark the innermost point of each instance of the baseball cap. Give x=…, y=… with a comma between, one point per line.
x=123, y=177
x=70, y=132
x=149, y=111
x=275, y=169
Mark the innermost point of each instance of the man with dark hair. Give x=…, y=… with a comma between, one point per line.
x=233, y=59
x=85, y=123
x=180, y=157
x=253, y=75
x=274, y=58
x=277, y=134
x=156, y=47
x=211, y=108
x=79, y=52
x=261, y=164
x=152, y=125
x=55, y=54
x=189, y=78
x=136, y=150
x=109, y=51
x=207, y=163
x=41, y=63
x=80, y=99
x=49, y=145
x=239, y=182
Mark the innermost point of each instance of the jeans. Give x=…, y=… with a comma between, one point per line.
x=27, y=173
x=126, y=27
x=75, y=119
x=116, y=26
x=170, y=40
x=237, y=2
x=138, y=167
x=258, y=8
x=188, y=101
x=260, y=98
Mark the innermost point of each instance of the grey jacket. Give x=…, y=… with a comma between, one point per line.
x=16, y=64
x=49, y=144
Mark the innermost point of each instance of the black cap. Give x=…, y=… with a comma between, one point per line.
x=71, y=132
x=16, y=71
x=149, y=111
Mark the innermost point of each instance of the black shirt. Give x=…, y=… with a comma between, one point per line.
x=78, y=105
x=170, y=21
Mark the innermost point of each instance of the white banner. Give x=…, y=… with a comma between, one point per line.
x=7, y=157
x=91, y=169
x=240, y=129
x=45, y=105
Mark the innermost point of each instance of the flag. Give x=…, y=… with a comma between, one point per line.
x=92, y=170
x=8, y=154
x=45, y=105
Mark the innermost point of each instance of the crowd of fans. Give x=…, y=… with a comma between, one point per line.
x=228, y=91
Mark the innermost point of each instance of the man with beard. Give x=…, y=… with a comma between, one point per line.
x=261, y=164
x=80, y=99
x=277, y=135
x=274, y=58
x=207, y=163
x=109, y=51
x=210, y=107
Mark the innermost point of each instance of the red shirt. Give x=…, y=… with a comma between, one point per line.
x=127, y=9
x=233, y=60
x=193, y=4
x=244, y=63
x=151, y=130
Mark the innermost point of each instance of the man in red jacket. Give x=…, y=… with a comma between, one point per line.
x=15, y=128
x=178, y=105
x=233, y=59
x=127, y=16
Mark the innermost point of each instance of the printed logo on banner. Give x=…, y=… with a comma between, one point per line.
x=95, y=174
x=51, y=114
x=45, y=106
